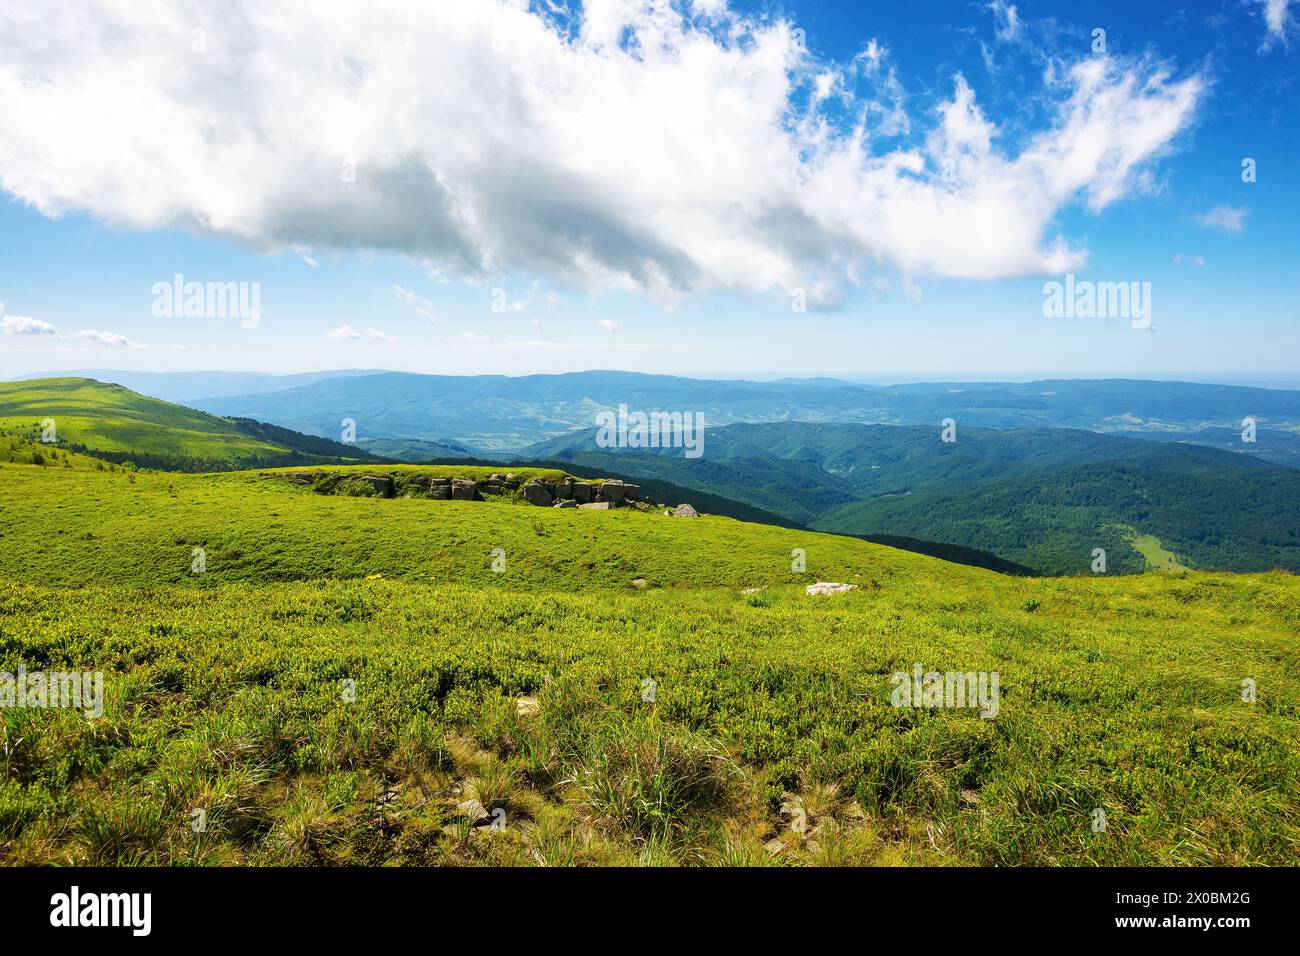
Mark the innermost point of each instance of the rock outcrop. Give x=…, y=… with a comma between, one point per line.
x=685, y=511
x=538, y=494
x=383, y=486
x=564, y=492
x=613, y=491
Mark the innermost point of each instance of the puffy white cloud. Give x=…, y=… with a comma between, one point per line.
x=609, y=325
x=110, y=339
x=643, y=149
x=380, y=336
x=24, y=325
x=1224, y=218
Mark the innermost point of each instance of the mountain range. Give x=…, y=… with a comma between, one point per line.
x=478, y=414
x=1030, y=477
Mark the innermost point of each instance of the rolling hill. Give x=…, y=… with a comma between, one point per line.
x=113, y=423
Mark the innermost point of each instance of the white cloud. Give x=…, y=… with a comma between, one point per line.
x=475, y=337
x=678, y=163
x=609, y=325
x=303, y=253
x=1277, y=18
x=347, y=332
x=1224, y=218
x=110, y=339
x=414, y=302
x=24, y=325
x=1006, y=21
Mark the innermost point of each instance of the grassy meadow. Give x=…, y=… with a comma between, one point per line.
x=349, y=682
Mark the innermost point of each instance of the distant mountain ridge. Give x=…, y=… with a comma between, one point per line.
x=497, y=413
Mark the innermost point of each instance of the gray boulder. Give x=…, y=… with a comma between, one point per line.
x=582, y=491
x=612, y=491
x=685, y=511
x=538, y=494
x=566, y=503
x=463, y=489
x=595, y=506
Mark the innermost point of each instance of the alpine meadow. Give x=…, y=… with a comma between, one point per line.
x=445, y=441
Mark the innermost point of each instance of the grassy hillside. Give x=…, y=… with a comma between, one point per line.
x=114, y=423
x=257, y=528
x=320, y=713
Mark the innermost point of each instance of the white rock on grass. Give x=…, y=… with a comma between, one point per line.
x=830, y=587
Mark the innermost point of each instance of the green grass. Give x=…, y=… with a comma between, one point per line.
x=525, y=691
x=1158, y=559
x=141, y=529
x=17, y=448
x=110, y=418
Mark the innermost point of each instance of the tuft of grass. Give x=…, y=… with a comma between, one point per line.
x=650, y=779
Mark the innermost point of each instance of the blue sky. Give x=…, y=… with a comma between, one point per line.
x=652, y=187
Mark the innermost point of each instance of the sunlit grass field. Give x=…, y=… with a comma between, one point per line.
x=110, y=418
x=350, y=682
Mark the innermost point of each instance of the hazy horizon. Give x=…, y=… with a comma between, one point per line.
x=957, y=378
